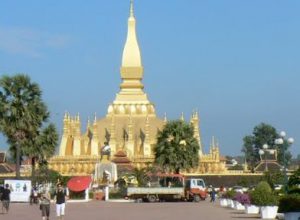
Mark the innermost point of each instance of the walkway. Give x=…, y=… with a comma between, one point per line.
x=131, y=211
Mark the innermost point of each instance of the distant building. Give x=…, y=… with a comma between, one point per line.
x=5, y=168
x=268, y=162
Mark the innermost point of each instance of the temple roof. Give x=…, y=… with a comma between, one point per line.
x=270, y=165
x=120, y=153
x=5, y=168
x=2, y=157
x=121, y=158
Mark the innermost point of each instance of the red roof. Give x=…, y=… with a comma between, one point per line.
x=120, y=153
x=121, y=160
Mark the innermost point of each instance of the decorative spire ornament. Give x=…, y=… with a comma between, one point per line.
x=182, y=117
x=131, y=8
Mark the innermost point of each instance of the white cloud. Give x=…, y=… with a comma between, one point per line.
x=29, y=42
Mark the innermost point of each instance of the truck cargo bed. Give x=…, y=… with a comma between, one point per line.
x=154, y=190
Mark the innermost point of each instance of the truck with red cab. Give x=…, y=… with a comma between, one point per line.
x=170, y=187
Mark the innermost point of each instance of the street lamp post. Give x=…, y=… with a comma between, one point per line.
x=280, y=141
x=265, y=148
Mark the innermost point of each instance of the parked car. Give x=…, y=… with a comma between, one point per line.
x=278, y=186
x=239, y=189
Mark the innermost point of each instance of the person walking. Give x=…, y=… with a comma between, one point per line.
x=60, y=197
x=34, y=196
x=1, y=190
x=213, y=195
x=45, y=204
x=5, y=198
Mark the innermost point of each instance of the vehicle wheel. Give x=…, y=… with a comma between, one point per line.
x=152, y=198
x=197, y=198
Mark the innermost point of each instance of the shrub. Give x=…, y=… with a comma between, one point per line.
x=91, y=194
x=294, y=190
x=229, y=194
x=242, y=198
x=117, y=193
x=294, y=179
x=263, y=186
x=289, y=203
x=273, y=178
x=263, y=195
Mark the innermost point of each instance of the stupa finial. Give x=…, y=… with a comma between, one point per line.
x=182, y=116
x=165, y=117
x=131, y=9
x=95, y=118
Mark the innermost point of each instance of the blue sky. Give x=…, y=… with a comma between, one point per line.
x=237, y=62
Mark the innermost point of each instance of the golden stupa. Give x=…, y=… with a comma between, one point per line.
x=130, y=125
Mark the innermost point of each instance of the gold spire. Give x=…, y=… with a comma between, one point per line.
x=165, y=118
x=95, y=118
x=95, y=128
x=213, y=142
x=182, y=117
x=131, y=52
x=88, y=126
x=131, y=99
x=66, y=116
x=131, y=69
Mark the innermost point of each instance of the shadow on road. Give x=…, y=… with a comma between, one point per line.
x=239, y=215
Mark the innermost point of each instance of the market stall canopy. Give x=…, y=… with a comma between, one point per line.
x=79, y=183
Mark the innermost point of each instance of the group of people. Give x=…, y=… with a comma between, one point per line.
x=60, y=197
x=44, y=198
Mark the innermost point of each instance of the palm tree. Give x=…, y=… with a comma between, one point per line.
x=176, y=147
x=42, y=146
x=22, y=114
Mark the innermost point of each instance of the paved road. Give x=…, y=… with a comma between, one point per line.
x=131, y=211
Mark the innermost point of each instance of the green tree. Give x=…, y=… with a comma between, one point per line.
x=141, y=176
x=40, y=148
x=273, y=178
x=294, y=179
x=263, y=134
x=22, y=118
x=176, y=147
x=45, y=175
x=236, y=167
